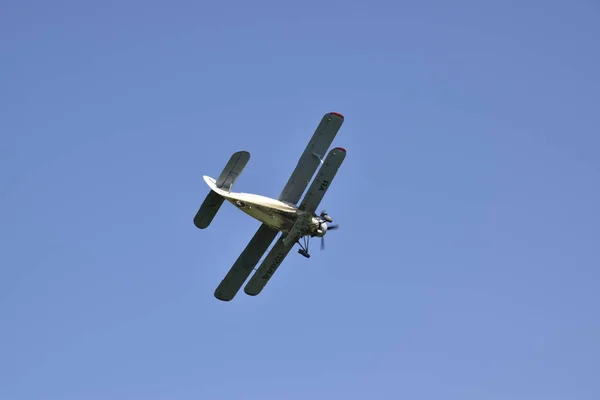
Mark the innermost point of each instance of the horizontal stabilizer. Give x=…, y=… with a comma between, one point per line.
x=233, y=169
x=213, y=201
x=208, y=209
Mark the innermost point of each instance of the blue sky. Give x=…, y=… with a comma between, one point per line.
x=466, y=266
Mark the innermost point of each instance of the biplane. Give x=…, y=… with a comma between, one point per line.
x=297, y=223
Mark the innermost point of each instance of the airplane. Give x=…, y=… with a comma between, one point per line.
x=284, y=215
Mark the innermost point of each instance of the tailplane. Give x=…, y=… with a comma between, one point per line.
x=226, y=180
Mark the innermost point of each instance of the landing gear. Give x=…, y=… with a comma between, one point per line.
x=304, y=253
x=319, y=227
x=304, y=247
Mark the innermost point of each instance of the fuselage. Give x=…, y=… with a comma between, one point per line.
x=263, y=209
x=271, y=212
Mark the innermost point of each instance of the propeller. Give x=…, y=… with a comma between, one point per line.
x=327, y=220
x=335, y=226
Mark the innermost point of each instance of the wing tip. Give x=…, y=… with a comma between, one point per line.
x=337, y=114
x=244, y=153
x=340, y=149
x=219, y=296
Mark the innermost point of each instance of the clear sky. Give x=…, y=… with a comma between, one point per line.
x=467, y=263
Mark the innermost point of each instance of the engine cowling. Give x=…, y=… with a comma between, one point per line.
x=321, y=229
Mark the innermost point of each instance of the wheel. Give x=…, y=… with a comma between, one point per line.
x=304, y=253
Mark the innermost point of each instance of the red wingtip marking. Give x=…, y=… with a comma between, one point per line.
x=340, y=148
x=338, y=114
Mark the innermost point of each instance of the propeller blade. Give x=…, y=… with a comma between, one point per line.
x=322, y=243
x=330, y=227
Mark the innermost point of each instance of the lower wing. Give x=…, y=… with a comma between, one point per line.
x=268, y=267
x=245, y=263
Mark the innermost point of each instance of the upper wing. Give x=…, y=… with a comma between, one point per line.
x=313, y=154
x=325, y=176
x=268, y=267
x=245, y=263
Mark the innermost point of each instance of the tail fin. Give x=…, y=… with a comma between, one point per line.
x=213, y=200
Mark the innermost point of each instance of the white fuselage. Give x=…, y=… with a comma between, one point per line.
x=271, y=212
